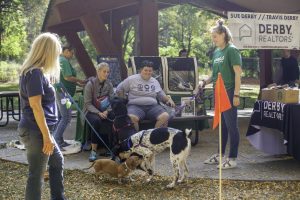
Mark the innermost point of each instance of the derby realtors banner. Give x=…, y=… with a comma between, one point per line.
x=265, y=30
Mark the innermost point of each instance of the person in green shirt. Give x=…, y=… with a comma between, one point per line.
x=227, y=61
x=69, y=81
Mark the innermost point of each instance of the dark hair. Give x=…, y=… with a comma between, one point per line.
x=221, y=28
x=67, y=46
x=147, y=63
x=182, y=51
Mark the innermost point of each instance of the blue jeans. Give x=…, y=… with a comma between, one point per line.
x=65, y=116
x=230, y=125
x=37, y=161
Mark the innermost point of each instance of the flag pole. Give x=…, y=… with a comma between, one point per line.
x=220, y=141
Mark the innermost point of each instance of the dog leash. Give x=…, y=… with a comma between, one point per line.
x=63, y=89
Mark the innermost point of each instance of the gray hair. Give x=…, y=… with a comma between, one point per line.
x=221, y=28
x=101, y=65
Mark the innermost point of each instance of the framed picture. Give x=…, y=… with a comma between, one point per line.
x=189, y=106
x=181, y=75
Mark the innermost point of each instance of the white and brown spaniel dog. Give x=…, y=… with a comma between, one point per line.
x=150, y=142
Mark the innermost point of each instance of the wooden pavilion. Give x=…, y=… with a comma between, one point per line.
x=101, y=19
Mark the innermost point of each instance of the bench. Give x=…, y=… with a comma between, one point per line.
x=179, y=122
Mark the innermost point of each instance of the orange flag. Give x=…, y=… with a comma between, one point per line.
x=222, y=102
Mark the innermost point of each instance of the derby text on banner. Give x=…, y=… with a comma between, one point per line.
x=265, y=30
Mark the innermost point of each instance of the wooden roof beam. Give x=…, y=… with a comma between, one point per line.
x=220, y=7
x=81, y=54
x=73, y=26
x=74, y=9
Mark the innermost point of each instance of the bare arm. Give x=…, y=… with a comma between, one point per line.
x=204, y=82
x=35, y=103
x=75, y=80
x=238, y=72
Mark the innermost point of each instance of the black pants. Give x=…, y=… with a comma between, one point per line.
x=103, y=128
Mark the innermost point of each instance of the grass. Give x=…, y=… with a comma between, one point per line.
x=9, y=86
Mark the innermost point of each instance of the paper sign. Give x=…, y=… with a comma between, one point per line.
x=264, y=30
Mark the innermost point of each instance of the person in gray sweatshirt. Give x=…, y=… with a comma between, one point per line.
x=97, y=93
x=144, y=92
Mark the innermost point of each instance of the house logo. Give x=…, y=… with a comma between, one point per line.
x=245, y=31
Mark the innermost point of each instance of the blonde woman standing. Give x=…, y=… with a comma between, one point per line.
x=39, y=117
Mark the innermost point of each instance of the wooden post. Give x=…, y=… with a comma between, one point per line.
x=81, y=55
x=265, y=64
x=148, y=28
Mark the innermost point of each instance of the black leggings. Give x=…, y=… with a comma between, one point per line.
x=102, y=126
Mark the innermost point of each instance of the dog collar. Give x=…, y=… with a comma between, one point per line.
x=127, y=168
x=118, y=129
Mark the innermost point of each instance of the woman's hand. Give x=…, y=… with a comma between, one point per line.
x=170, y=103
x=202, y=84
x=49, y=145
x=103, y=115
x=236, y=101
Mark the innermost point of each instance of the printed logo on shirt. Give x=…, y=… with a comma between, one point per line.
x=146, y=87
x=219, y=60
x=140, y=87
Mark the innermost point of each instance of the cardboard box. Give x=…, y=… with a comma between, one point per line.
x=280, y=95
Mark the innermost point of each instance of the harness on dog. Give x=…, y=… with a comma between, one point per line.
x=125, y=126
x=125, y=145
x=140, y=141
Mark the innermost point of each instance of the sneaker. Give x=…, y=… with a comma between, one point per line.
x=93, y=156
x=64, y=144
x=87, y=146
x=214, y=159
x=228, y=163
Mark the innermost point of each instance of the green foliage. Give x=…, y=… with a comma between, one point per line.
x=87, y=43
x=128, y=37
x=185, y=26
x=9, y=71
x=20, y=23
x=12, y=29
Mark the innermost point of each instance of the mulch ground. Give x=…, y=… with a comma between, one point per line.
x=85, y=185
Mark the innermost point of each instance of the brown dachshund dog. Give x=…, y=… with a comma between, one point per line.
x=114, y=169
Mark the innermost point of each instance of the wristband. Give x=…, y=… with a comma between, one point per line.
x=236, y=95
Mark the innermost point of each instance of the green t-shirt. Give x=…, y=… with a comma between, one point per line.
x=223, y=62
x=66, y=69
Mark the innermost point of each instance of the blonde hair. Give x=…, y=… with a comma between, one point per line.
x=44, y=55
x=221, y=28
x=100, y=66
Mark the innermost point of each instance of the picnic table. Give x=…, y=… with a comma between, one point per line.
x=9, y=108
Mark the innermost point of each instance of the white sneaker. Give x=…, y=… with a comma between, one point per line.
x=228, y=163
x=214, y=159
